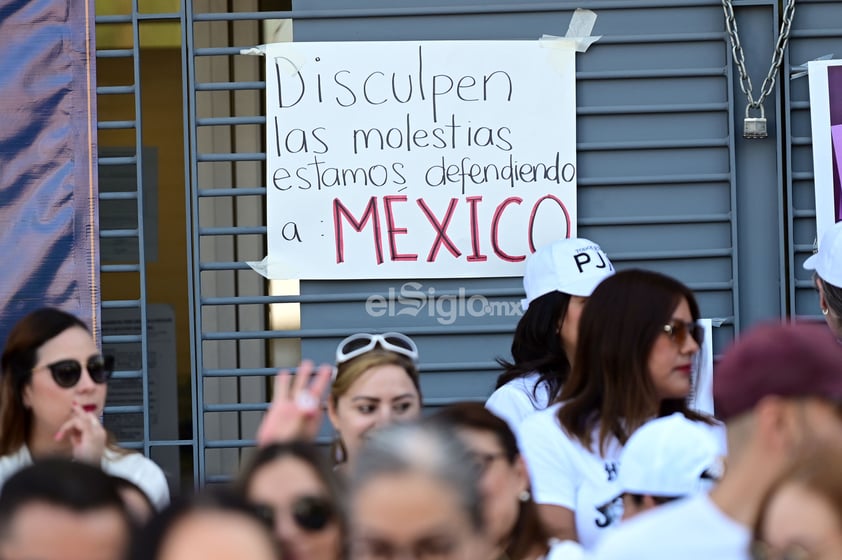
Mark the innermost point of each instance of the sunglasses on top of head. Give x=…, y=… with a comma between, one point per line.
x=679, y=331
x=310, y=513
x=66, y=373
x=360, y=343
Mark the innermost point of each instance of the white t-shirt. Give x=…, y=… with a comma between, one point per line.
x=519, y=398
x=691, y=529
x=564, y=473
x=565, y=550
x=134, y=467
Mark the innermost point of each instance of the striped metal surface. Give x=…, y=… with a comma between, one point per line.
x=665, y=182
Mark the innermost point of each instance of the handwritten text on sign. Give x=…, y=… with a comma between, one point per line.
x=418, y=159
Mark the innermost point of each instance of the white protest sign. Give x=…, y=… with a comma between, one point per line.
x=417, y=159
x=702, y=397
x=826, y=125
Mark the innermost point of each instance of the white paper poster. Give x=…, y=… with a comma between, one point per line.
x=702, y=397
x=826, y=124
x=418, y=159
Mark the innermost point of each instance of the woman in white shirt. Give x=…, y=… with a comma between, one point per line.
x=638, y=337
x=558, y=279
x=52, y=395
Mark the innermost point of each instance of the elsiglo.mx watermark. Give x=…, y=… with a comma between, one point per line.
x=413, y=300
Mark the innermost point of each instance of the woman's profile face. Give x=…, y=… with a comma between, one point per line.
x=671, y=359
x=52, y=405
x=410, y=515
x=380, y=396
x=501, y=482
x=802, y=523
x=293, y=491
x=569, y=330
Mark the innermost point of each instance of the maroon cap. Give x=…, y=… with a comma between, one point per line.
x=788, y=360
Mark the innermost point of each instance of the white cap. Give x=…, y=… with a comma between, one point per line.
x=573, y=266
x=667, y=457
x=827, y=262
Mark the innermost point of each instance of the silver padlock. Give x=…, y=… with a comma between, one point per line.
x=755, y=127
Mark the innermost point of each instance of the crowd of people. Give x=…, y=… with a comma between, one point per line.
x=589, y=447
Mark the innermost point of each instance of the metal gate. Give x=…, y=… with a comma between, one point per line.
x=665, y=182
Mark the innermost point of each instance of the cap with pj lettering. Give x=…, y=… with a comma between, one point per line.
x=573, y=266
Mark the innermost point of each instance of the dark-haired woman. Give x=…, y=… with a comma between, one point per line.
x=52, y=394
x=295, y=485
x=209, y=525
x=558, y=280
x=511, y=516
x=638, y=337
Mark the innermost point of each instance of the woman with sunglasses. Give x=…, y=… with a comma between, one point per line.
x=298, y=492
x=376, y=384
x=511, y=516
x=52, y=394
x=638, y=337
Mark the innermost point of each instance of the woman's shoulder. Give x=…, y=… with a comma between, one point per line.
x=527, y=384
x=518, y=399
x=565, y=550
x=140, y=470
x=13, y=462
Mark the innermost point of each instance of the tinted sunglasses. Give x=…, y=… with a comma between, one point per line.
x=483, y=461
x=360, y=343
x=310, y=513
x=66, y=373
x=762, y=551
x=680, y=330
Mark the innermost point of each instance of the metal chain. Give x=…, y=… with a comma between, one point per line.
x=739, y=55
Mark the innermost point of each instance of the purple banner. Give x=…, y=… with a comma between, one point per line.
x=49, y=238
x=834, y=92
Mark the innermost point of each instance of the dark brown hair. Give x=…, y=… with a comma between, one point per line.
x=314, y=458
x=528, y=532
x=19, y=357
x=610, y=386
x=537, y=346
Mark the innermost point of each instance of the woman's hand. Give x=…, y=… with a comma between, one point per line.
x=295, y=412
x=86, y=435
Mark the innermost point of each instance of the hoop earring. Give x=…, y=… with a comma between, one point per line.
x=825, y=311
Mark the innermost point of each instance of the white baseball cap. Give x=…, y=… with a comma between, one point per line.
x=573, y=266
x=827, y=262
x=670, y=457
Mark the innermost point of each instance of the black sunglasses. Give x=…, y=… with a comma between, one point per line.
x=310, y=513
x=680, y=330
x=66, y=373
x=483, y=461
